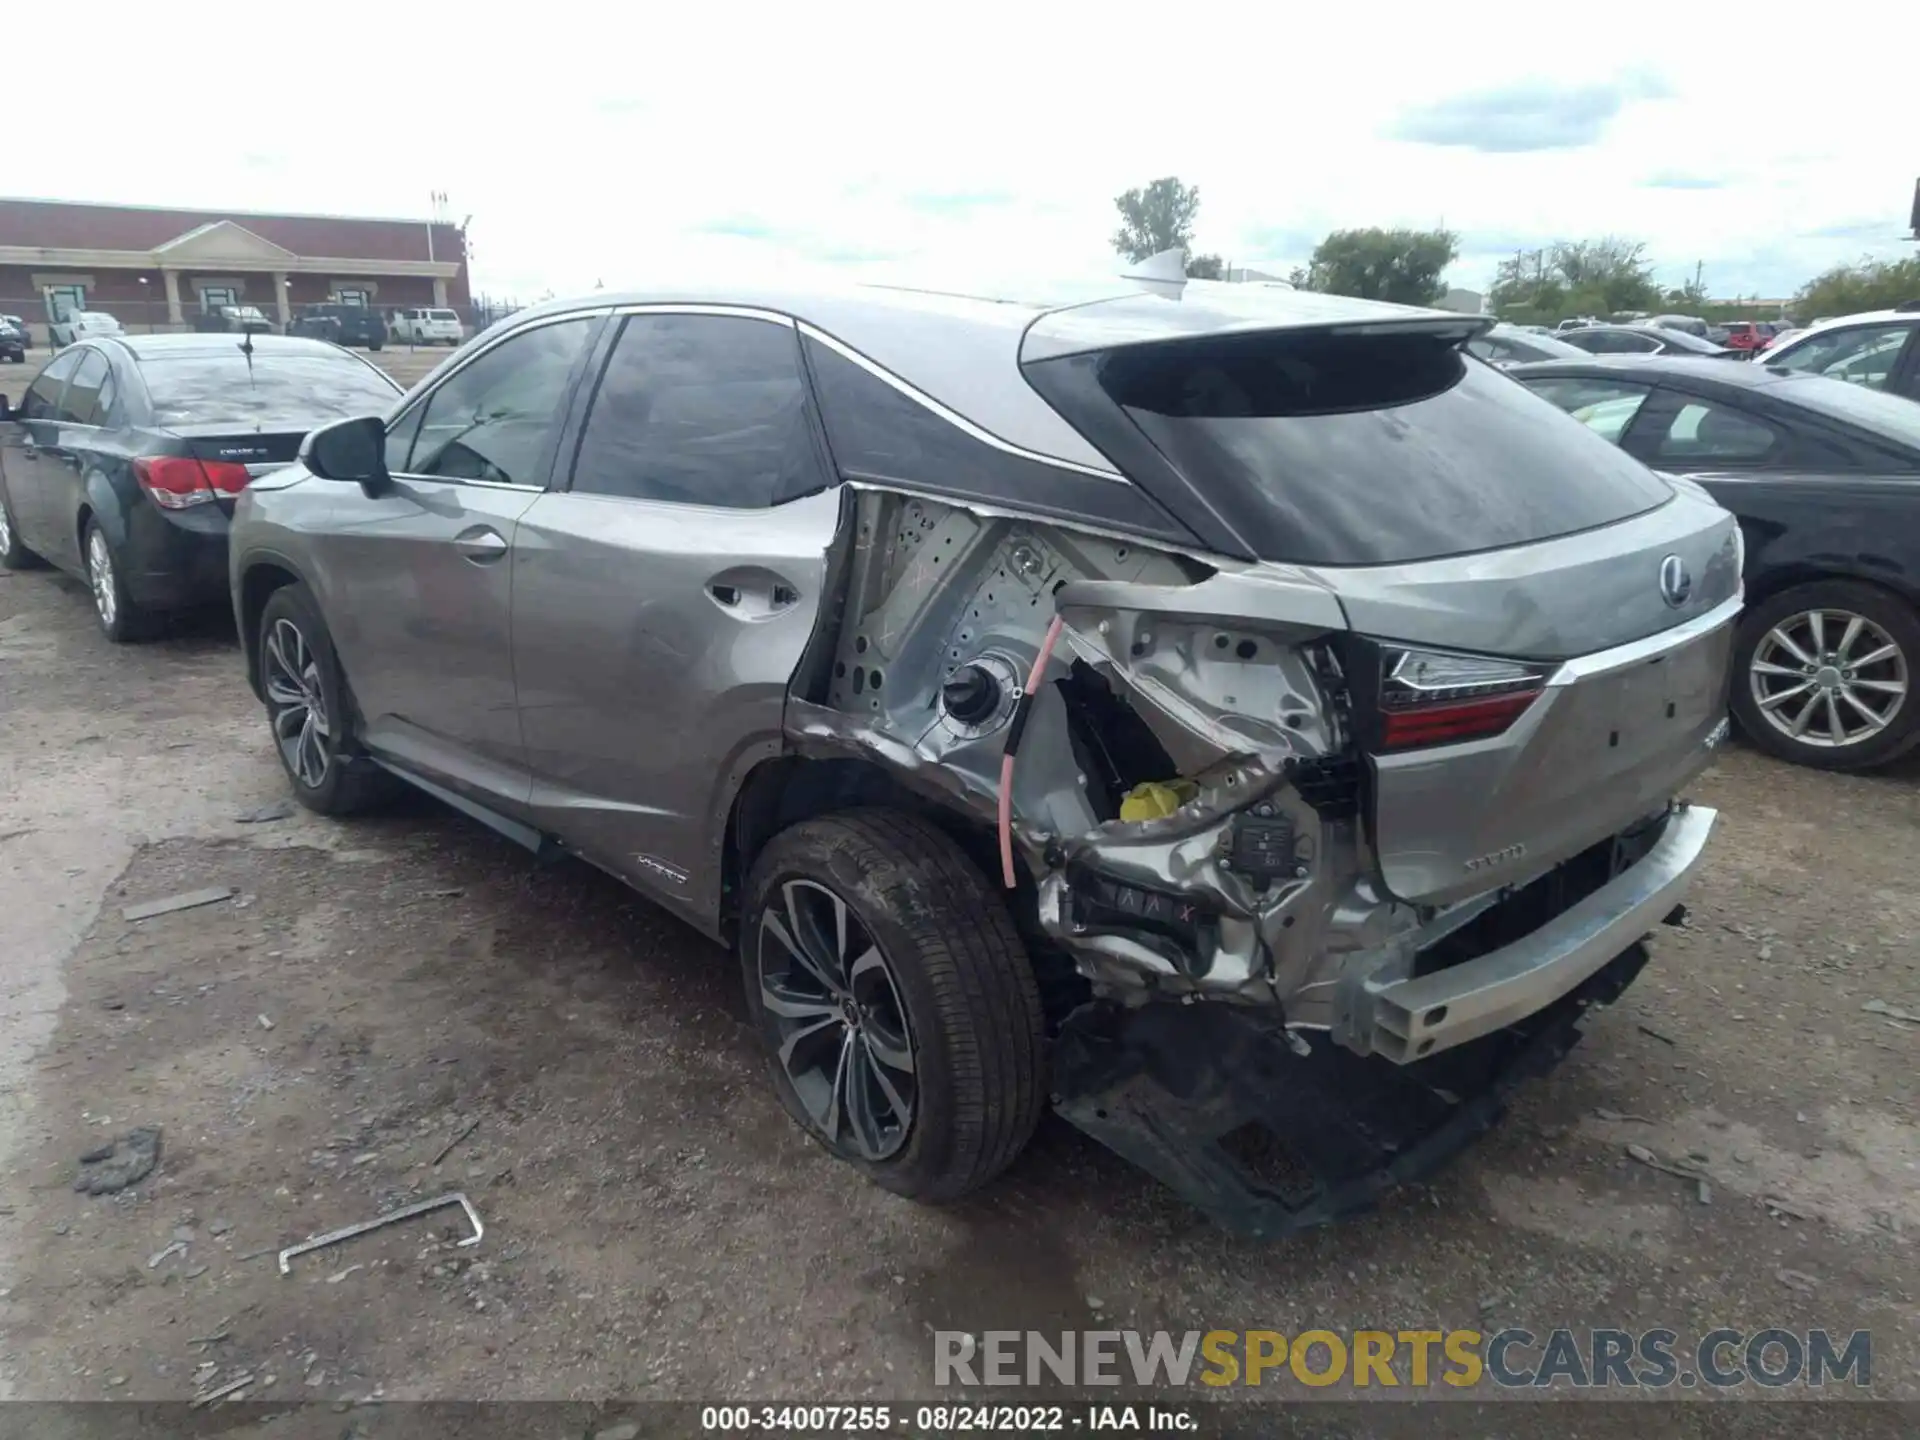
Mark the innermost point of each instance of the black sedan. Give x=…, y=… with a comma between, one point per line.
x=1825, y=478
x=123, y=458
x=1644, y=340
x=1505, y=345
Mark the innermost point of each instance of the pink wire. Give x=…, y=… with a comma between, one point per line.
x=1006, y=761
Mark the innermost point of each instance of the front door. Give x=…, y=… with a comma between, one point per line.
x=420, y=578
x=663, y=601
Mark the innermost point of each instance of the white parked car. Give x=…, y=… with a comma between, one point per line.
x=83, y=325
x=427, y=326
x=1879, y=349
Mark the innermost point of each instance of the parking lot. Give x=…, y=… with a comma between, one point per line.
x=377, y=993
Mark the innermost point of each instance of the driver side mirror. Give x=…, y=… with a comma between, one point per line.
x=352, y=450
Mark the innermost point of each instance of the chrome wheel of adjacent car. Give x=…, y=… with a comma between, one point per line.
x=841, y=1026
x=6, y=531
x=100, y=578
x=1828, y=678
x=296, y=703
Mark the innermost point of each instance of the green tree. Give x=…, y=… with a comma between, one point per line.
x=1158, y=218
x=1574, y=277
x=1206, y=267
x=1849, y=289
x=1403, y=266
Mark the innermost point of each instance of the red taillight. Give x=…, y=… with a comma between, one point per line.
x=178, y=482
x=1437, y=698
x=1444, y=723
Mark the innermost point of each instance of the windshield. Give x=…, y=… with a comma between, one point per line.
x=1374, y=450
x=208, y=389
x=441, y=315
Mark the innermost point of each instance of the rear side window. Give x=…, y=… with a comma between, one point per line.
x=1605, y=407
x=207, y=389
x=1367, y=450
x=700, y=410
x=81, y=404
x=1705, y=432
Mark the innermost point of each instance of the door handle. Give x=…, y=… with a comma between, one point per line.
x=751, y=593
x=481, y=545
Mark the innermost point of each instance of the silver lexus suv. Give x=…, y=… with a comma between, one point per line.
x=1235, y=718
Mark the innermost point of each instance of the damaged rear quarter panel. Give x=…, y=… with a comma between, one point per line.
x=1219, y=671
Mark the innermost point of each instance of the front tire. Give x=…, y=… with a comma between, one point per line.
x=896, y=1001
x=1824, y=675
x=14, y=555
x=309, y=711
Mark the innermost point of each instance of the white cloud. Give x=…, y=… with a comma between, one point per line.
x=972, y=142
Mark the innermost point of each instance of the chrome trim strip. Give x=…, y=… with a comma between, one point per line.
x=464, y=480
x=1634, y=652
x=672, y=307
x=953, y=417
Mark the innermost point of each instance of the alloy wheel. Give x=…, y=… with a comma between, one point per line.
x=6, y=530
x=296, y=704
x=106, y=599
x=841, y=1029
x=1828, y=678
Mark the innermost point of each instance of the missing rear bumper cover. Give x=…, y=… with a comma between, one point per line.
x=1211, y=1100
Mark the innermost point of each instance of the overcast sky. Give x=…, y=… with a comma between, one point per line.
x=971, y=142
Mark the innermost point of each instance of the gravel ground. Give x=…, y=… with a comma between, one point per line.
x=655, y=1228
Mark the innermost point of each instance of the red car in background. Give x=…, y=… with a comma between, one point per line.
x=1746, y=335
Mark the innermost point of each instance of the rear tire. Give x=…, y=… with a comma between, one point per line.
x=1783, y=665
x=916, y=1053
x=120, y=620
x=309, y=710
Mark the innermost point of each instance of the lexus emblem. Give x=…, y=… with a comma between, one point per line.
x=1675, y=583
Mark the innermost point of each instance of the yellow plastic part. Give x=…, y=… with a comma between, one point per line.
x=1156, y=799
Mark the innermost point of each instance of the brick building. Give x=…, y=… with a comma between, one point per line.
x=156, y=269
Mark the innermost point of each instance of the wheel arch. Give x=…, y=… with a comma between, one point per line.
x=781, y=792
x=260, y=576
x=1779, y=578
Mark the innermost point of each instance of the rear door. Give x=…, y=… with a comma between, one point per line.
x=663, y=600
x=419, y=579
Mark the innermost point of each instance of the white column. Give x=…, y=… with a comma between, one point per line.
x=280, y=298
x=172, y=277
x=440, y=292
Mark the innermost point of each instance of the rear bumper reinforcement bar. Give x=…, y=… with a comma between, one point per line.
x=1405, y=1020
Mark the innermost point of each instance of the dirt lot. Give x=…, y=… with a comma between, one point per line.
x=654, y=1225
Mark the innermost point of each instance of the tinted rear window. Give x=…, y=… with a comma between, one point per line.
x=210, y=389
x=1367, y=450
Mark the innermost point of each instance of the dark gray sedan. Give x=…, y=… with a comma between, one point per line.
x=1825, y=479
x=123, y=458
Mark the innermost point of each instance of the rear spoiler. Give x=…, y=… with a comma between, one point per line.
x=1210, y=310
